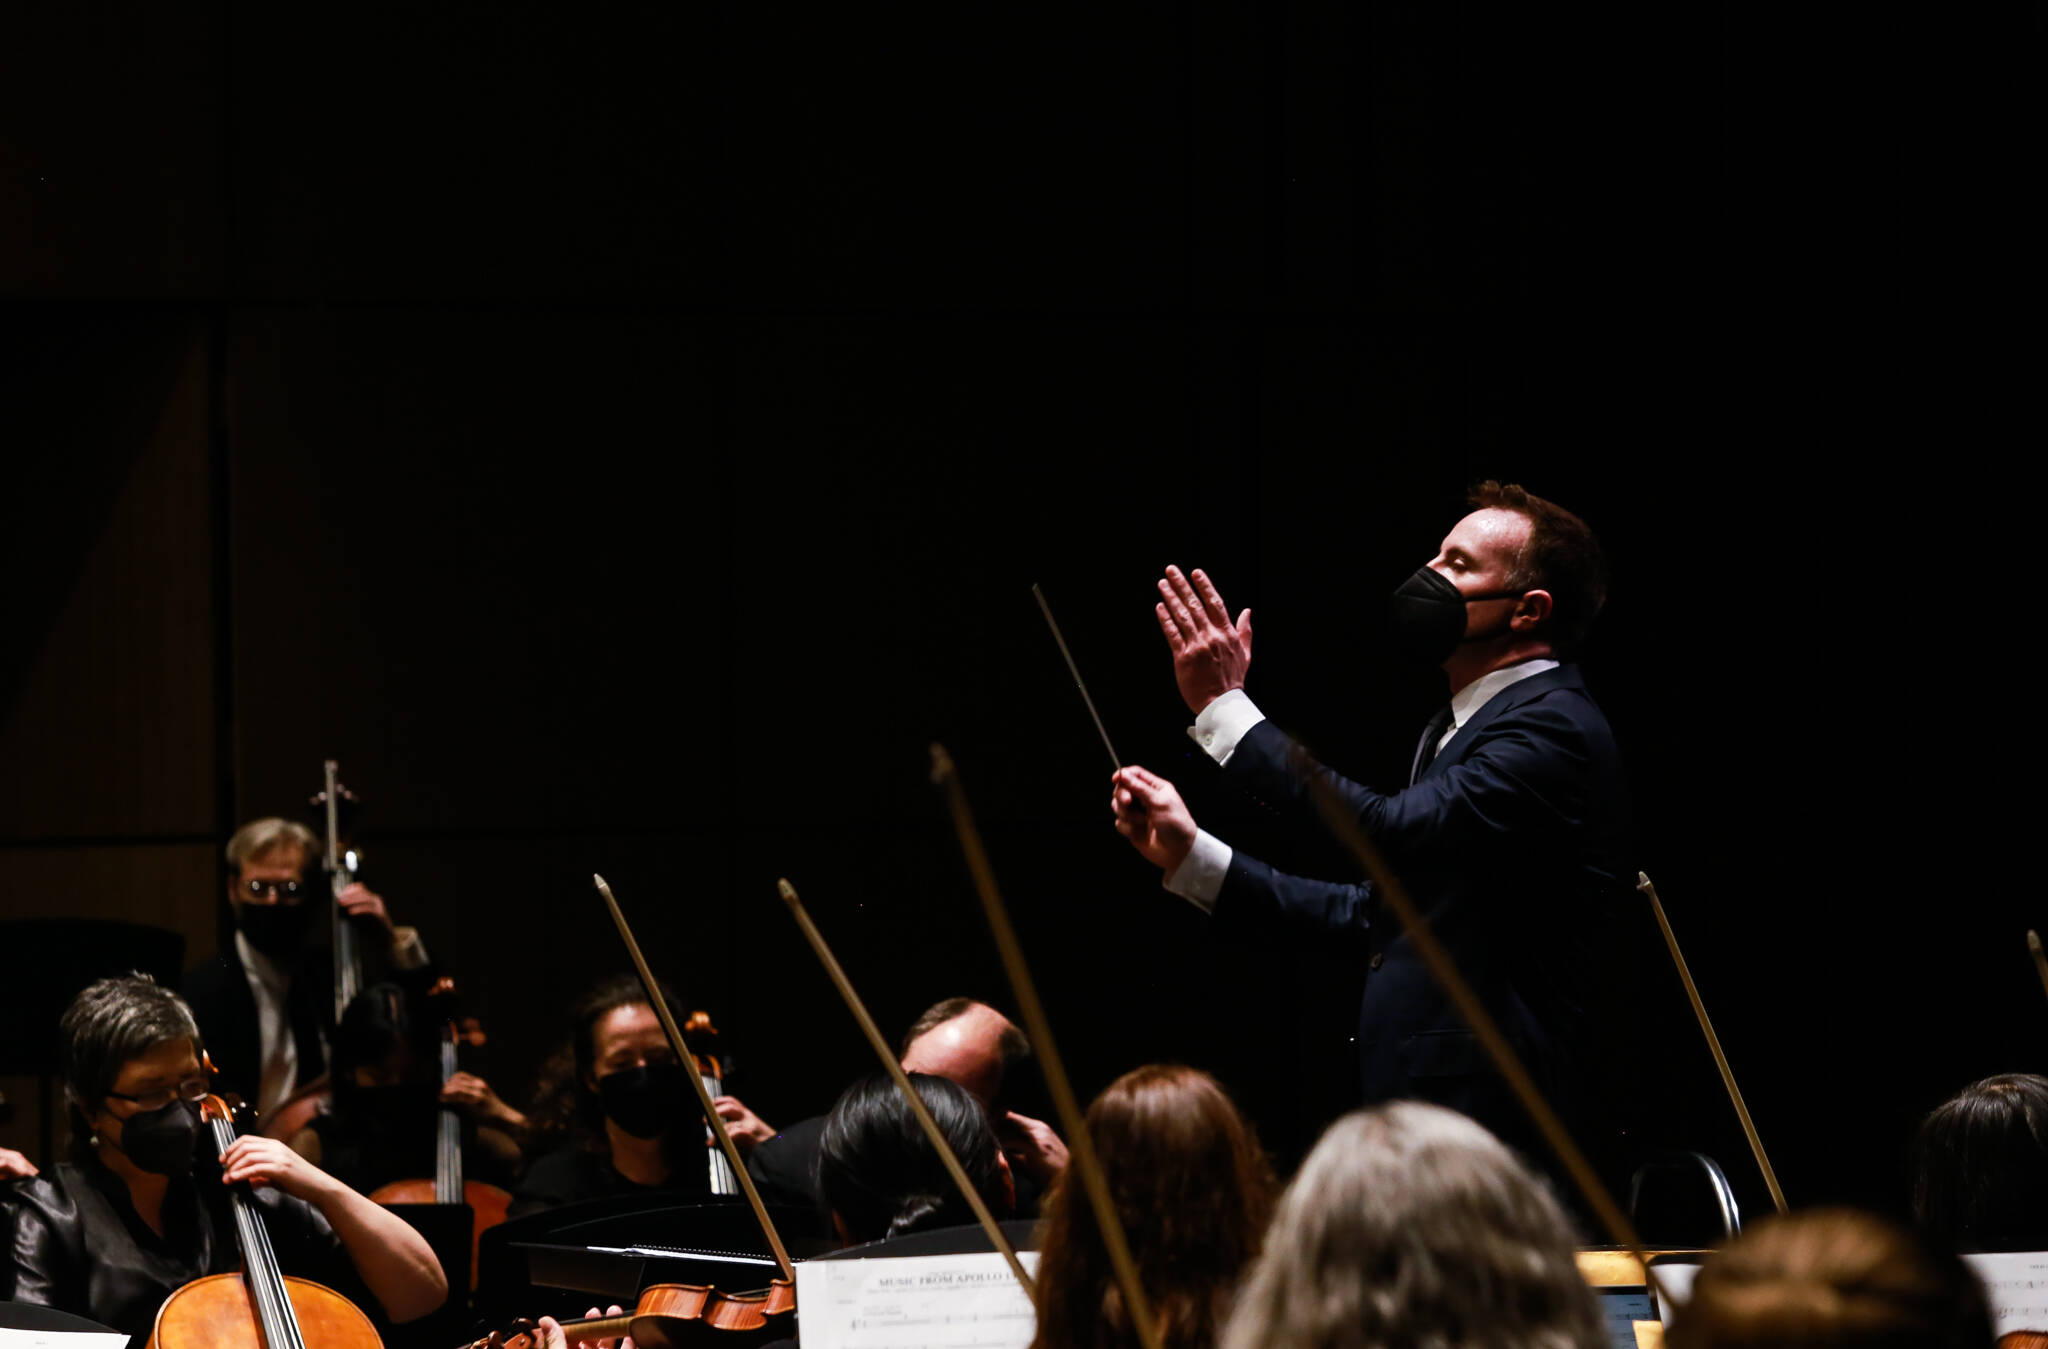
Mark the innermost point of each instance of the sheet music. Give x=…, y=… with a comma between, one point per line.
x=916, y=1302
x=2016, y=1286
x=62, y=1339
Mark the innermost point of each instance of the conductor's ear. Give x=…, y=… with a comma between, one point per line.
x=1534, y=609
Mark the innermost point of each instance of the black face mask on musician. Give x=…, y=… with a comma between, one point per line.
x=1428, y=616
x=161, y=1141
x=277, y=930
x=646, y=1101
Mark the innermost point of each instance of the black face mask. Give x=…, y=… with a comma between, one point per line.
x=161, y=1141
x=1428, y=616
x=646, y=1101
x=277, y=930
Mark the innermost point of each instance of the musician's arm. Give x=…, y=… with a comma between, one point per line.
x=393, y=1260
x=44, y=1225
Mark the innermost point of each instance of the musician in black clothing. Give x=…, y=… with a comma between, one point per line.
x=621, y=1116
x=135, y=1215
x=266, y=1003
x=388, y=1099
x=963, y=1041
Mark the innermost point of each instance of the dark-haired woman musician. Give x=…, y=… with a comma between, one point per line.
x=113, y=1232
x=615, y=1115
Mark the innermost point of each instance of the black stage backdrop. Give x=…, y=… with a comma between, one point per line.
x=625, y=437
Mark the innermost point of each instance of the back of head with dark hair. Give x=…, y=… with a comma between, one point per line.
x=881, y=1175
x=1833, y=1277
x=371, y=1028
x=1980, y=1167
x=1193, y=1191
x=1562, y=557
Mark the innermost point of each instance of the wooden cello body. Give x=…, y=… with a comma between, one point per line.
x=217, y=1312
x=262, y=1307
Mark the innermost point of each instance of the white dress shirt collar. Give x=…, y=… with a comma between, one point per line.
x=1467, y=701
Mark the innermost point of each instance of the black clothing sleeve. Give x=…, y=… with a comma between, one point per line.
x=79, y=1246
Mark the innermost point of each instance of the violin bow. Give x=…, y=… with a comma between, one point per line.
x=2040, y=959
x=1699, y=1009
x=682, y=1053
x=1081, y=1151
x=1505, y=1062
x=903, y=1084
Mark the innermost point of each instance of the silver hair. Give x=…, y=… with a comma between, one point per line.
x=260, y=836
x=1412, y=1226
x=112, y=1022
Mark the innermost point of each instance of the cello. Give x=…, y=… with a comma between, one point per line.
x=262, y=1307
x=487, y=1203
x=340, y=862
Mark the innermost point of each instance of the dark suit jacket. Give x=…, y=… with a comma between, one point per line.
x=225, y=1009
x=1514, y=845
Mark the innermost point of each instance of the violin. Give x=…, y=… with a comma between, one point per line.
x=675, y=1314
x=262, y=1307
x=701, y=1036
x=487, y=1203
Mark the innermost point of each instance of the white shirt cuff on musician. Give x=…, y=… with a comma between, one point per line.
x=1220, y=725
x=408, y=952
x=1199, y=877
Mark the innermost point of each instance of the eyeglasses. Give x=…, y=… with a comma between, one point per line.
x=287, y=891
x=191, y=1089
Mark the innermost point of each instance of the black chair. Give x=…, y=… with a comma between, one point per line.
x=1681, y=1199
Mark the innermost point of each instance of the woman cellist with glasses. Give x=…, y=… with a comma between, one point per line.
x=129, y=1220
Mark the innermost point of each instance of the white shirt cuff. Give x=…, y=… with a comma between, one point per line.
x=1223, y=723
x=1199, y=877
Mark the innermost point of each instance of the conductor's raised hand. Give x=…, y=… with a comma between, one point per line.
x=1150, y=813
x=1210, y=653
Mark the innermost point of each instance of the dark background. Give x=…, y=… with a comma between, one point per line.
x=625, y=436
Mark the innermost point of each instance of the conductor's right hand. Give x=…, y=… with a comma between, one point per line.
x=1150, y=813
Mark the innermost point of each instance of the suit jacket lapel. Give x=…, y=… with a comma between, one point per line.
x=1514, y=695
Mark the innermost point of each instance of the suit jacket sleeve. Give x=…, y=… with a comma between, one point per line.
x=1524, y=776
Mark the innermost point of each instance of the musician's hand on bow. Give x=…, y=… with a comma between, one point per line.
x=360, y=901
x=473, y=1096
x=14, y=1166
x=1150, y=813
x=1033, y=1147
x=1210, y=653
x=748, y=1130
x=271, y=1161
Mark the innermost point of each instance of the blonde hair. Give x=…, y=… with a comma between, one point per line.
x=1410, y=1225
x=261, y=836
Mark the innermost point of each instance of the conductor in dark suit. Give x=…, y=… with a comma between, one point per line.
x=1511, y=832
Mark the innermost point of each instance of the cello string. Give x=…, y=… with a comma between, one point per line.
x=1080, y=1150
x=1699, y=1010
x=894, y=1066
